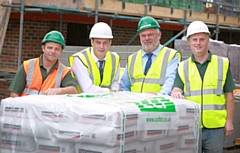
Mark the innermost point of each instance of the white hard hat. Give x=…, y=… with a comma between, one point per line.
x=101, y=30
x=197, y=27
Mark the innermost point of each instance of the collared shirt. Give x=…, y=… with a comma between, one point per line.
x=19, y=82
x=85, y=82
x=229, y=83
x=125, y=84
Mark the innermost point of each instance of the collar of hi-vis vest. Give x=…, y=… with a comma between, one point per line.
x=217, y=91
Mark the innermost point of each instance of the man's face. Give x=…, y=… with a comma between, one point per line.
x=150, y=39
x=199, y=43
x=51, y=51
x=101, y=46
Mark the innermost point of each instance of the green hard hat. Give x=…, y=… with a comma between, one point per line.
x=54, y=36
x=147, y=22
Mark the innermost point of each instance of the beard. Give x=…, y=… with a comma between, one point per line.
x=151, y=47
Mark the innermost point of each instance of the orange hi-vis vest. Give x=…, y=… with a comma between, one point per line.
x=35, y=85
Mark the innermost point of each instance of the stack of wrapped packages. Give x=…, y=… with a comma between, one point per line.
x=121, y=122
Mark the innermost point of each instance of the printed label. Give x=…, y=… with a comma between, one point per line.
x=156, y=112
x=157, y=104
x=95, y=116
x=11, y=126
x=14, y=109
x=49, y=148
x=52, y=114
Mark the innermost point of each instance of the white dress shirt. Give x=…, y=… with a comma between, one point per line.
x=83, y=79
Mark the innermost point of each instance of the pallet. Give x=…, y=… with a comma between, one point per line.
x=7, y=74
x=234, y=149
x=237, y=142
x=9, y=70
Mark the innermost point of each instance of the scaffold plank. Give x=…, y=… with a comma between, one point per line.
x=4, y=18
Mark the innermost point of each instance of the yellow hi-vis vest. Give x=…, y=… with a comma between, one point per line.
x=207, y=92
x=154, y=79
x=109, y=72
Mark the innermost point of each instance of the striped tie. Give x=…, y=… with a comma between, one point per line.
x=101, y=63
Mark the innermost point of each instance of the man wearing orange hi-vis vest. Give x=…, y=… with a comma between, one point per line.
x=44, y=75
x=207, y=80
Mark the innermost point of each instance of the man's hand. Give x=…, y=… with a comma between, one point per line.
x=177, y=93
x=53, y=91
x=153, y=93
x=13, y=95
x=228, y=128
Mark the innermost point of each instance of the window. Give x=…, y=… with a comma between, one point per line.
x=78, y=34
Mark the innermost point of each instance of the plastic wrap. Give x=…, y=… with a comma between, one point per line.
x=120, y=122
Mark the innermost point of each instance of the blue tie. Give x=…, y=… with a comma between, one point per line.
x=101, y=68
x=148, y=63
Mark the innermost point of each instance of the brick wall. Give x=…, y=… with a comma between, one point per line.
x=33, y=33
x=123, y=35
x=166, y=35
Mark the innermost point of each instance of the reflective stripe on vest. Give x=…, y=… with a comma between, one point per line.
x=89, y=65
x=32, y=92
x=214, y=107
x=151, y=80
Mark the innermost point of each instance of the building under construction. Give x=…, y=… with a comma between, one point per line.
x=25, y=22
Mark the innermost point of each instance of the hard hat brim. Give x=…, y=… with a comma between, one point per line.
x=95, y=36
x=197, y=32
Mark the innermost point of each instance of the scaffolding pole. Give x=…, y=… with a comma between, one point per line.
x=20, y=33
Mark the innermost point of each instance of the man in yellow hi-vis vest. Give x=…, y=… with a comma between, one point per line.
x=207, y=80
x=152, y=69
x=95, y=68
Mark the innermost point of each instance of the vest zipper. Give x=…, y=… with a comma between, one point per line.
x=142, y=85
x=202, y=104
x=41, y=85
